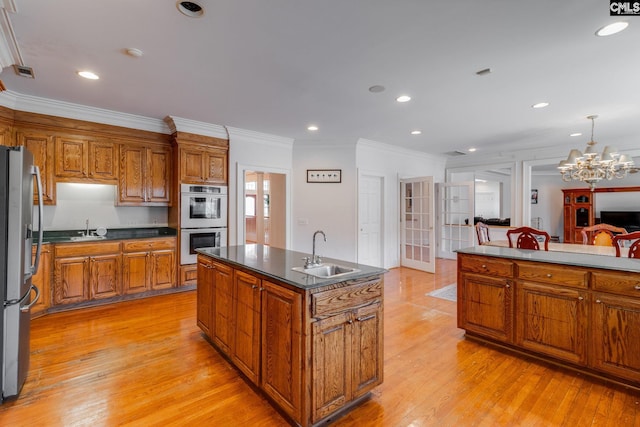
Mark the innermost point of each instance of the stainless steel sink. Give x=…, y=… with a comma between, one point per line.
x=86, y=238
x=327, y=270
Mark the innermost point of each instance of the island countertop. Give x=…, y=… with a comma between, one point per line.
x=558, y=257
x=278, y=263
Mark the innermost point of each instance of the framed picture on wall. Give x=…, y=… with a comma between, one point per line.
x=324, y=175
x=534, y=196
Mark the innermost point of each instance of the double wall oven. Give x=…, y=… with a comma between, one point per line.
x=203, y=219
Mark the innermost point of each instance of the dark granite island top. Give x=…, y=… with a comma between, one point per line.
x=278, y=263
x=64, y=236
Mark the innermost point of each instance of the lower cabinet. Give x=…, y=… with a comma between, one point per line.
x=148, y=264
x=310, y=362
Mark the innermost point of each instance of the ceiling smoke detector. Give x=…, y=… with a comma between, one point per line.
x=24, y=71
x=192, y=9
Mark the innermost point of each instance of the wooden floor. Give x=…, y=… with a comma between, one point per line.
x=145, y=363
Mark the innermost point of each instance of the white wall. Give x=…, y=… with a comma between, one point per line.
x=550, y=203
x=96, y=202
x=393, y=164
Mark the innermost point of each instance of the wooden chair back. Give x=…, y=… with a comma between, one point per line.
x=482, y=231
x=601, y=234
x=630, y=239
x=526, y=238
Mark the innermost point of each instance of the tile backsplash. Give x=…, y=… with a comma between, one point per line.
x=96, y=202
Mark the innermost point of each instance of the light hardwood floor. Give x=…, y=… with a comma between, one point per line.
x=145, y=363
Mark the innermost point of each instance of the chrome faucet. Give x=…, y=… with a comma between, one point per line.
x=86, y=233
x=315, y=259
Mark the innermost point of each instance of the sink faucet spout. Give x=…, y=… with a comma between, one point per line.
x=315, y=259
x=87, y=232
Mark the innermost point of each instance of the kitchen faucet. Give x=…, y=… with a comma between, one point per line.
x=315, y=259
x=86, y=233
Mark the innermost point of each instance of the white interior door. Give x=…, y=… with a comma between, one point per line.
x=455, y=217
x=370, y=220
x=417, y=224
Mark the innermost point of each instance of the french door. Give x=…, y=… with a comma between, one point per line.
x=417, y=224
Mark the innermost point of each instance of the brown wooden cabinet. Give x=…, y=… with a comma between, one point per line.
x=145, y=176
x=203, y=165
x=204, y=294
x=42, y=147
x=579, y=212
x=222, y=315
x=86, y=272
x=42, y=279
x=83, y=159
x=245, y=347
x=148, y=264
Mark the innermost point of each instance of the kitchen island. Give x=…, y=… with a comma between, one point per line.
x=578, y=310
x=312, y=345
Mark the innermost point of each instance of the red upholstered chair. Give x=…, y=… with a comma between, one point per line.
x=602, y=234
x=631, y=240
x=482, y=231
x=526, y=238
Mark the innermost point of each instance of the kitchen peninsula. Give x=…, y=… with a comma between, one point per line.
x=575, y=309
x=312, y=345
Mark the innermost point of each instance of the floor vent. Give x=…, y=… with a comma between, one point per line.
x=24, y=71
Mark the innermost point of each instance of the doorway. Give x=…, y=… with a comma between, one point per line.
x=370, y=220
x=417, y=237
x=265, y=213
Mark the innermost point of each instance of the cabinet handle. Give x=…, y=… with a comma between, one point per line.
x=549, y=275
x=598, y=301
x=261, y=289
x=254, y=287
x=362, y=319
x=350, y=321
x=637, y=287
x=580, y=298
x=484, y=266
x=507, y=285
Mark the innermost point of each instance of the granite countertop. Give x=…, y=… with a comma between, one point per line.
x=607, y=262
x=64, y=236
x=278, y=263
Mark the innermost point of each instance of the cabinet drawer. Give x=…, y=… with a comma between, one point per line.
x=484, y=265
x=86, y=249
x=617, y=282
x=553, y=274
x=148, y=245
x=349, y=297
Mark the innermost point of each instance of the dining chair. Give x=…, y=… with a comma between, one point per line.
x=632, y=240
x=482, y=231
x=526, y=238
x=601, y=234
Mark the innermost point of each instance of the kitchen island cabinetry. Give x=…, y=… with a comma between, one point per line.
x=312, y=345
x=148, y=264
x=579, y=310
x=145, y=175
x=86, y=272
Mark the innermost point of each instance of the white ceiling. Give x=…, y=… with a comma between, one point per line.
x=277, y=66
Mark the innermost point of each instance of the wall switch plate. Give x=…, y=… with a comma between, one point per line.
x=303, y=221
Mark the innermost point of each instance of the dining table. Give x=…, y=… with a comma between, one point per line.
x=570, y=247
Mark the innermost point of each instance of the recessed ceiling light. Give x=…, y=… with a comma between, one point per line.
x=613, y=28
x=376, y=89
x=192, y=9
x=132, y=51
x=472, y=149
x=88, y=75
x=576, y=134
x=416, y=132
x=312, y=128
x=403, y=98
x=540, y=105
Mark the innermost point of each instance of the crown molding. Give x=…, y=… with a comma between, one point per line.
x=9, y=49
x=259, y=138
x=381, y=146
x=179, y=124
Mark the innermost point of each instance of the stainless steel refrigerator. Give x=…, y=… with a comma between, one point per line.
x=18, y=294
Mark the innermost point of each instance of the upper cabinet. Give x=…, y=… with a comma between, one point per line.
x=145, y=175
x=203, y=165
x=84, y=159
x=41, y=146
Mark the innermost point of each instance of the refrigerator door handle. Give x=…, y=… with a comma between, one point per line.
x=28, y=307
x=35, y=170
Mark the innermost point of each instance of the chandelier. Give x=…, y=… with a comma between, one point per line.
x=591, y=167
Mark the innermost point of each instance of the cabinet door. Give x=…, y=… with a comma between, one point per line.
x=204, y=295
x=282, y=347
x=332, y=367
x=367, y=350
x=552, y=320
x=42, y=148
x=135, y=272
x=103, y=160
x=43, y=281
x=223, y=309
x=616, y=336
x=72, y=157
x=71, y=280
x=106, y=279
x=132, y=169
x=215, y=167
x=191, y=166
x=487, y=306
x=158, y=175
x=163, y=269
x=245, y=350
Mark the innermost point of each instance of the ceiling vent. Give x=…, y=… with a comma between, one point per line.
x=455, y=153
x=24, y=71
